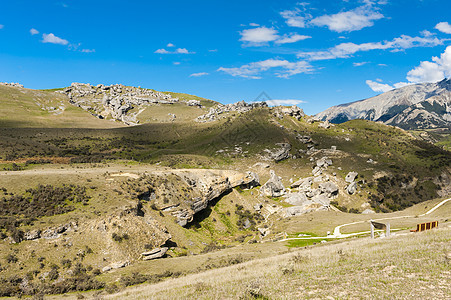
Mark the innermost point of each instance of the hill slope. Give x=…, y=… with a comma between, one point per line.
x=419, y=106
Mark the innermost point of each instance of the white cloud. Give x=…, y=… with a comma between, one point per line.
x=2, y=26
x=88, y=50
x=292, y=38
x=170, y=45
x=199, y=74
x=182, y=51
x=432, y=71
x=294, y=19
x=176, y=63
x=259, y=35
x=277, y=102
x=177, y=51
x=213, y=50
x=33, y=31
x=428, y=71
x=352, y=20
x=53, y=39
x=161, y=51
x=254, y=24
x=378, y=87
x=443, y=27
x=254, y=69
x=358, y=64
x=345, y=50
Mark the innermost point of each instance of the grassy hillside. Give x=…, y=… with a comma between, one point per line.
x=85, y=182
x=21, y=107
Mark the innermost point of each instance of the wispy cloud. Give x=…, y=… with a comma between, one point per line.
x=346, y=50
x=53, y=39
x=347, y=21
x=443, y=27
x=254, y=69
x=359, y=64
x=170, y=45
x=292, y=38
x=199, y=74
x=277, y=102
x=33, y=31
x=293, y=18
x=2, y=26
x=176, y=51
x=88, y=50
x=263, y=35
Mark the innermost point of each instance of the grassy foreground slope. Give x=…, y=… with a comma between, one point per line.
x=413, y=266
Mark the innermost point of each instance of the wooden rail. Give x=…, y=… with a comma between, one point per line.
x=425, y=226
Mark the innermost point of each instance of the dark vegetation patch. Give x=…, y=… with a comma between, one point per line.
x=44, y=200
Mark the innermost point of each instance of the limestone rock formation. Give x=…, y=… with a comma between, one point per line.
x=351, y=176
x=273, y=187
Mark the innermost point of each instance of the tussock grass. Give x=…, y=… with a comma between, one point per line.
x=414, y=266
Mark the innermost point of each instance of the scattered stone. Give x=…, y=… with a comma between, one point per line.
x=333, y=148
x=32, y=235
x=368, y=211
x=247, y=224
x=351, y=176
x=264, y=231
x=154, y=254
x=13, y=84
x=258, y=206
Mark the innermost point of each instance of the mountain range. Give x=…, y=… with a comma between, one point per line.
x=418, y=106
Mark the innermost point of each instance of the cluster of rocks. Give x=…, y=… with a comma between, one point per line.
x=114, y=101
x=154, y=254
x=13, y=84
x=292, y=111
x=321, y=165
x=308, y=199
x=50, y=233
x=194, y=103
x=215, y=112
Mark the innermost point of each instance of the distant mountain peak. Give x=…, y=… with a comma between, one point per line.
x=417, y=106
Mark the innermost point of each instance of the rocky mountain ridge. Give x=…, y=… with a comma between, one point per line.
x=419, y=106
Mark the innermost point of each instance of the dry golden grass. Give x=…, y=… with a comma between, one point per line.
x=413, y=266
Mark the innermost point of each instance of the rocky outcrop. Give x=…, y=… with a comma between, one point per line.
x=194, y=103
x=185, y=192
x=215, y=113
x=118, y=102
x=12, y=84
x=273, y=187
x=293, y=111
x=329, y=189
x=154, y=254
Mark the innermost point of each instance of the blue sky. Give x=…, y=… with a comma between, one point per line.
x=314, y=53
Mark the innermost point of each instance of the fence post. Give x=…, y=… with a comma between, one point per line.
x=387, y=234
x=372, y=229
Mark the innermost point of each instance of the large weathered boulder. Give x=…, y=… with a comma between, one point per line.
x=351, y=176
x=330, y=189
x=282, y=153
x=32, y=235
x=273, y=187
x=296, y=198
x=351, y=188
